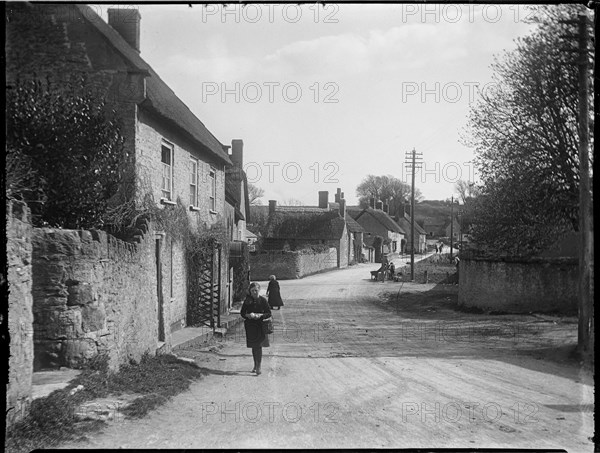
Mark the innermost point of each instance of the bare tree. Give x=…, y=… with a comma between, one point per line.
x=255, y=194
x=291, y=202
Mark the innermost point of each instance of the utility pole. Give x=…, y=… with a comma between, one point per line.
x=586, y=257
x=412, y=157
x=585, y=331
x=451, y=225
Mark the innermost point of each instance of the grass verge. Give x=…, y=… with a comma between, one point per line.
x=52, y=419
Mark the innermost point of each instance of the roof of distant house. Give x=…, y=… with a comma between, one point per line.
x=159, y=97
x=329, y=226
x=383, y=218
x=405, y=222
x=353, y=225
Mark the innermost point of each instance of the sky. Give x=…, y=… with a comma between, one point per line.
x=323, y=96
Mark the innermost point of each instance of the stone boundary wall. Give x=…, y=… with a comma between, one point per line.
x=290, y=264
x=541, y=285
x=93, y=293
x=20, y=314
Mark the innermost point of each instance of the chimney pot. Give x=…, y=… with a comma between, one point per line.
x=126, y=22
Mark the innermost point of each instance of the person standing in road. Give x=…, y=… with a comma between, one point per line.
x=274, y=293
x=255, y=311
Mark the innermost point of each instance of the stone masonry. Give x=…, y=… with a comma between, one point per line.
x=20, y=316
x=542, y=285
x=290, y=264
x=92, y=293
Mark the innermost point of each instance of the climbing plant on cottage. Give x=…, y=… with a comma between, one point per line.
x=64, y=152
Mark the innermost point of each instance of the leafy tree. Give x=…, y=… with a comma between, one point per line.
x=525, y=135
x=388, y=189
x=66, y=154
x=255, y=194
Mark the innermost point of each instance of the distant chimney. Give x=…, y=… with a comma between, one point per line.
x=385, y=208
x=126, y=22
x=338, y=195
x=342, y=208
x=379, y=205
x=237, y=153
x=323, y=198
x=272, y=206
x=372, y=202
x=342, y=195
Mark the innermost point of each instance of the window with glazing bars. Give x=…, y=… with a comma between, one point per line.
x=213, y=189
x=167, y=170
x=193, y=182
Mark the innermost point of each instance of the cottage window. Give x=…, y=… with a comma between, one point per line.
x=167, y=170
x=213, y=189
x=193, y=182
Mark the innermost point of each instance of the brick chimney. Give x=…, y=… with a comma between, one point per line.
x=372, y=202
x=385, y=208
x=272, y=206
x=126, y=22
x=338, y=195
x=237, y=153
x=342, y=208
x=379, y=205
x=323, y=199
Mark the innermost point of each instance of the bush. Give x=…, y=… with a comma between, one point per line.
x=66, y=153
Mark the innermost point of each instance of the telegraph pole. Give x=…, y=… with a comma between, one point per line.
x=586, y=257
x=412, y=157
x=585, y=331
x=451, y=225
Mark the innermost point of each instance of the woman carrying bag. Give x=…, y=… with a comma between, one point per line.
x=256, y=313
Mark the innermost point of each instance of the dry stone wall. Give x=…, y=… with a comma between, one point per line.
x=20, y=315
x=93, y=293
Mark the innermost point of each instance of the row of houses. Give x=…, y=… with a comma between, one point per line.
x=176, y=160
x=358, y=234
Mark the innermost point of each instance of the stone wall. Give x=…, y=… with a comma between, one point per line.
x=20, y=315
x=290, y=264
x=541, y=285
x=93, y=293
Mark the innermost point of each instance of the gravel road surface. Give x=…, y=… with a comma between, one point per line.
x=360, y=364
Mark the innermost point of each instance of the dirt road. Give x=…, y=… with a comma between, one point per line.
x=357, y=364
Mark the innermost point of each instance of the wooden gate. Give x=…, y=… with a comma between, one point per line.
x=205, y=290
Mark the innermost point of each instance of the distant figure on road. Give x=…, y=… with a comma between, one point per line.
x=255, y=310
x=391, y=270
x=441, y=247
x=436, y=248
x=274, y=293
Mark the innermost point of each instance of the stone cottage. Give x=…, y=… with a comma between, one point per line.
x=176, y=162
x=377, y=222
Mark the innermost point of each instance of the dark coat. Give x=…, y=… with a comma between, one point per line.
x=274, y=294
x=255, y=331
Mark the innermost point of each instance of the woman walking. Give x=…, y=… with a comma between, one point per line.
x=274, y=293
x=255, y=310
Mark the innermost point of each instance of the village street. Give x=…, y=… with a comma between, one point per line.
x=348, y=368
